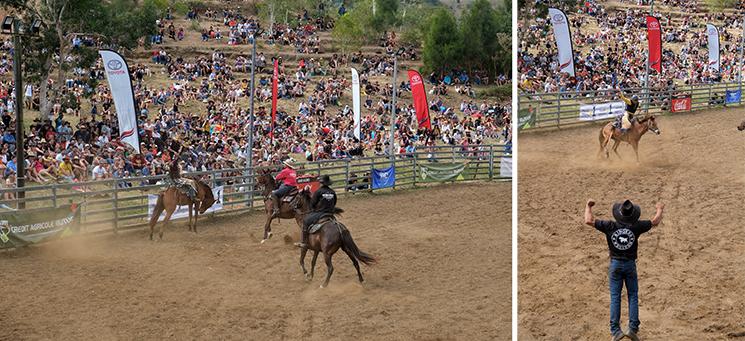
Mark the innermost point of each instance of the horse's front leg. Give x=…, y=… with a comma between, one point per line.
x=267, y=228
x=313, y=263
x=191, y=207
x=196, y=216
x=615, y=149
x=636, y=150
x=303, y=251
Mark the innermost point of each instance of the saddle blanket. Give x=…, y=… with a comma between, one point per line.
x=317, y=226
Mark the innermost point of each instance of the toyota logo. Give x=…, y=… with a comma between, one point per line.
x=114, y=65
x=653, y=25
x=558, y=19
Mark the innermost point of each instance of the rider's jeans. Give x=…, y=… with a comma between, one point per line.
x=623, y=271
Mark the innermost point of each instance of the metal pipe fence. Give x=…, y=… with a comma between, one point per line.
x=559, y=109
x=113, y=204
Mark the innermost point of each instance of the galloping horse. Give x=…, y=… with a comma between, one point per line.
x=172, y=197
x=294, y=209
x=632, y=136
x=331, y=236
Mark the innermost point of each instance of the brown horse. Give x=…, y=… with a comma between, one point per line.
x=287, y=210
x=172, y=197
x=331, y=237
x=632, y=136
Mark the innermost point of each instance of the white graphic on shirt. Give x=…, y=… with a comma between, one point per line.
x=622, y=239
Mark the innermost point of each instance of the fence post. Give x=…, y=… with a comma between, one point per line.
x=370, y=177
x=491, y=162
x=413, y=169
x=251, y=188
x=54, y=195
x=558, y=109
x=116, y=205
x=346, y=181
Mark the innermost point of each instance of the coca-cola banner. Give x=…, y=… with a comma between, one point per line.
x=681, y=103
x=654, y=37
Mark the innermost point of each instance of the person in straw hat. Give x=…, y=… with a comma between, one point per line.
x=622, y=236
x=287, y=178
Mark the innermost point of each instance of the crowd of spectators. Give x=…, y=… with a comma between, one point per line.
x=201, y=115
x=610, y=47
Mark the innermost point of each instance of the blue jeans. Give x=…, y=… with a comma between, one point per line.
x=623, y=271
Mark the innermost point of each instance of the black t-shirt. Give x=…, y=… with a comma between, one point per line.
x=623, y=239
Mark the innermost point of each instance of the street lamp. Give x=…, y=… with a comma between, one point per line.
x=15, y=27
x=393, y=103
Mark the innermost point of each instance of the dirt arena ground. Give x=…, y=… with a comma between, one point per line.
x=443, y=274
x=690, y=267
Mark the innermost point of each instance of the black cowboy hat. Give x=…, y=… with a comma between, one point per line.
x=326, y=180
x=626, y=212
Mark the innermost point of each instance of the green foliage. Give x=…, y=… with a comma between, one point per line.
x=501, y=92
x=386, y=15
x=443, y=46
x=348, y=32
x=483, y=25
x=719, y=5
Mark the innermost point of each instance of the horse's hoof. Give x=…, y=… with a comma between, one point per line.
x=308, y=277
x=262, y=241
x=322, y=286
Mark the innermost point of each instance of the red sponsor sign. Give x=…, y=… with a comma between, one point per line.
x=654, y=37
x=681, y=104
x=420, y=99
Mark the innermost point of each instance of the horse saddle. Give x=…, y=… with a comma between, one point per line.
x=289, y=197
x=186, y=186
x=317, y=226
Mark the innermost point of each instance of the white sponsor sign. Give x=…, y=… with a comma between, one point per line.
x=505, y=167
x=356, y=102
x=120, y=84
x=563, y=40
x=713, y=36
x=183, y=211
x=601, y=111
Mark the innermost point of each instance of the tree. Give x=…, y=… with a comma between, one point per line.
x=385, y=16
x=348, y=32
x=482, y=24
x=117, y=23
x=443, y=44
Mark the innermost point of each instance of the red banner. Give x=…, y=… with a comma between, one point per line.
x=275, y=78
x=654, y=37
x=420, y=99
x=681, y=104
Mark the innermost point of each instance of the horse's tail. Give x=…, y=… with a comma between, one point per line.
x=159, y=207
x=349, y=245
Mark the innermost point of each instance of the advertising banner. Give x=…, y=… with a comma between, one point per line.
x=679, y=104
x=20, y=228
x=733, y=96
x=384, y=178
x=654, y=37
x=712, y=32
x=183, y=211
x=442, y=172
x=563, y=40
x=601, y=111
x=120, y=83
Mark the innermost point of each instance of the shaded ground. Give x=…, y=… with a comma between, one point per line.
x=443, y=274
x=690, y=267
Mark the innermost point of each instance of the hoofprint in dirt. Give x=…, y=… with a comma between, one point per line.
x=690, y=267
x=443, y=273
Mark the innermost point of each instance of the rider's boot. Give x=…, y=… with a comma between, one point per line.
x=303, y=244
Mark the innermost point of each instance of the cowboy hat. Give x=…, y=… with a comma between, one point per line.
x=626, y=212
x=289, y=163
x=326, y=180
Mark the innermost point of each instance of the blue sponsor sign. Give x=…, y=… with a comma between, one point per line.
x=383, y=178
x=733, y=96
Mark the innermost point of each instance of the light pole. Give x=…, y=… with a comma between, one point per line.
x=393, y=104
x=15, y=28
x=250, y=157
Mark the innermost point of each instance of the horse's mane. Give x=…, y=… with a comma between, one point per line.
x=646, y=119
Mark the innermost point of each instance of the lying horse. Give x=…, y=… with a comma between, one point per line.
x=329, y=237
x=172, y=197
x=632, y=136
x=288, y=209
